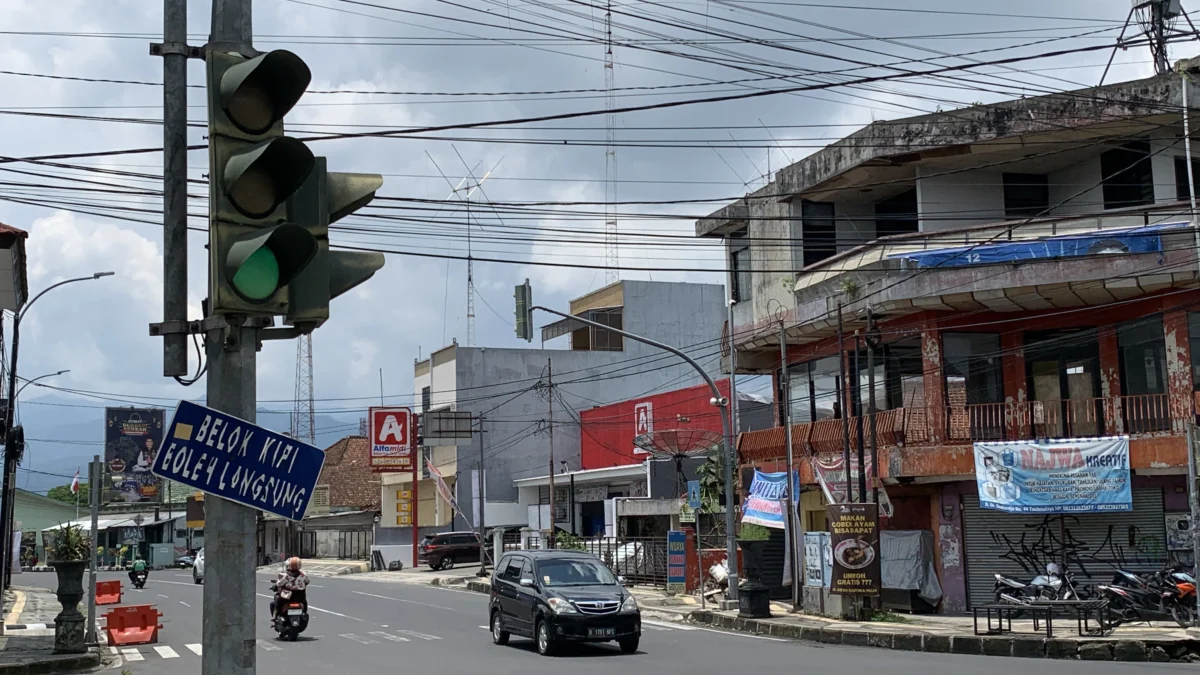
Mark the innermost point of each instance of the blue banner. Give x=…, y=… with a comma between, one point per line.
x=768, y=494
x=239, y=461
x=676, y=560
x=1145, y=239
x=1074, y=475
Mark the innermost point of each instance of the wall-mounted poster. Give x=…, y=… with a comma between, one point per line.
x=132, y=436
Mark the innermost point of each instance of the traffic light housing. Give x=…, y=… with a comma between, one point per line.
x=523, y=294
x=254, y=253
x=325, y=198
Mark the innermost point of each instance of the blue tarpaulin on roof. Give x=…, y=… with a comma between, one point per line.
x=1131, y=240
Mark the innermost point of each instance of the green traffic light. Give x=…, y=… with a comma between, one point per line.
x=258, y=276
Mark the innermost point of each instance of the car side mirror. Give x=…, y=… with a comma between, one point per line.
x=527, y=582
x=622, y=580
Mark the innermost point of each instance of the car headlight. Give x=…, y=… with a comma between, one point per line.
x=560, y=606
x=630, y=605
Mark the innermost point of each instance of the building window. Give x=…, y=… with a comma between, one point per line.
x=426, y=399
x=1181, y=178
x=972, y=365
x=815, y=390
x=1143, y=352
x=897, y=215
x=899, y=376
x=819, y=231
x=1128, y=178
x=739, y=265
x=1026, y=195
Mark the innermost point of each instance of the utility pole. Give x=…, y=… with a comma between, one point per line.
x=95, y=478
x=174, y=51
x=480, y=500
x=785, y=394
x=844, y=398
x=858, y=423
x=550, y=430
x=1194, y=506
x=872, y=407
x=228, y=625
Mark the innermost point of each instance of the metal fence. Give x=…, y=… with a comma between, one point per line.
x=641, y=560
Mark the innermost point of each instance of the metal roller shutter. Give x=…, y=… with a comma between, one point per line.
x=1092, y=545
x=772, y=566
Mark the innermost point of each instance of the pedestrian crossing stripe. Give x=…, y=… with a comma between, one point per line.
x=421, y=636
x=167, y=652
x=196, y=649
x=132, y=655
x=389, y=636
x=268, y=646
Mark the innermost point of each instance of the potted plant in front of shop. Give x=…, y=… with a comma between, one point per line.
x=69, y=557
x=753, y=601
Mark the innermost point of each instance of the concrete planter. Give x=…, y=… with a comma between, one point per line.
x=69, y=624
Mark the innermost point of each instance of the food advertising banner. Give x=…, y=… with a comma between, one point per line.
x=132, y=437
x=854, y=536
x=1073, y=475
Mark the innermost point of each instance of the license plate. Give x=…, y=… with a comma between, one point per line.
x=601, y=632
x=294, y=612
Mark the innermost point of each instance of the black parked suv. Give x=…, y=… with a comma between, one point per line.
x=442, y=551
x=557, y=596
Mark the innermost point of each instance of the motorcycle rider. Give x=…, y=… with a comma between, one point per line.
x=292, y=579
x=139, y=566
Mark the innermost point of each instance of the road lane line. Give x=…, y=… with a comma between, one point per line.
x=197, y=649
x=389, y=636
x=173, y=583
x=132, y=655
x=668, y=626
x=268, y=646
x=167, y=652
x=184, y=603
x=163, y=596
x=358, y=638
x=415, y=634
x=317, y=609
x=411, y=602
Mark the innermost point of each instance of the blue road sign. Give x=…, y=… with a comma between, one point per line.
x=231, y=458
x=694, y=494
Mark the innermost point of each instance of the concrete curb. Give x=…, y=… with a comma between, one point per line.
x=56, y=664
x=1021, y=646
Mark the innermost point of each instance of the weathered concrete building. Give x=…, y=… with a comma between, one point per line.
x=1032, y=273
x=506, y=387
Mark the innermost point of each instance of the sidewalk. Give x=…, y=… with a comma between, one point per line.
x=323, y=567
x=28, y=643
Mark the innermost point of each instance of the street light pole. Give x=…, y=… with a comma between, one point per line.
x=730, y=455
x=11, y=454
x=39, y=377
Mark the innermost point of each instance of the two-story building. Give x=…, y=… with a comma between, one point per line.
x=1030, y=271
x=517, y=395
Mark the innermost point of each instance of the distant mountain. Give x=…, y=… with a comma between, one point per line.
x=62, y=434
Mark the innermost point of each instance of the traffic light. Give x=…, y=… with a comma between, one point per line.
x=524, y=311
x=254, y=169
x=325, y=198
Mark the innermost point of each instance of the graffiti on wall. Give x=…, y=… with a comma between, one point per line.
x=1054, y=539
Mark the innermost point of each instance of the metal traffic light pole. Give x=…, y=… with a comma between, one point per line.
x=228, y=626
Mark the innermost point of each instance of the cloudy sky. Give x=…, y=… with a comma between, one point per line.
x=395, y=64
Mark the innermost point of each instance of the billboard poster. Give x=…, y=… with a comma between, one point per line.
x=132, y=437
x=1073, y=475
x=854, y=536
x=765, y=503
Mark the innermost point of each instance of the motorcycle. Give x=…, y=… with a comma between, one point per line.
x=1169, y=595
x=139, y=580
x=1055, y=584
x=291, y=618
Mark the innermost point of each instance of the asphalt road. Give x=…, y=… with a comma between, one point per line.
x=361, y=627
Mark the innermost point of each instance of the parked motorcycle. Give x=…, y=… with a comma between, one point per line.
x=139, y=580
x=1169, y=595
x=1055, y=584
x=291, y=618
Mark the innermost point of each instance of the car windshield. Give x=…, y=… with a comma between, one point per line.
x=574, y=573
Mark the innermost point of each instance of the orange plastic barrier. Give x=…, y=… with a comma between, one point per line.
x=135, y=625
x=108, y=592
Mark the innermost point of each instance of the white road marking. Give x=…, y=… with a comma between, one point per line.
x=358, y=638
x=668, y=626
x=197, y=649
x=132, y=655
x=389, y=636
x=184, y=603
x=653, y=627
x=173, y=583
x=411, y=602
x=415, y=634
x=166, y=652
x=268, y=646
x=317, y=609
x=162, y=596
x=486, y=627
x=746, y=635
x=114, y=650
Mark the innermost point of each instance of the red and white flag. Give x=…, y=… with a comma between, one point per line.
x=75, y=483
